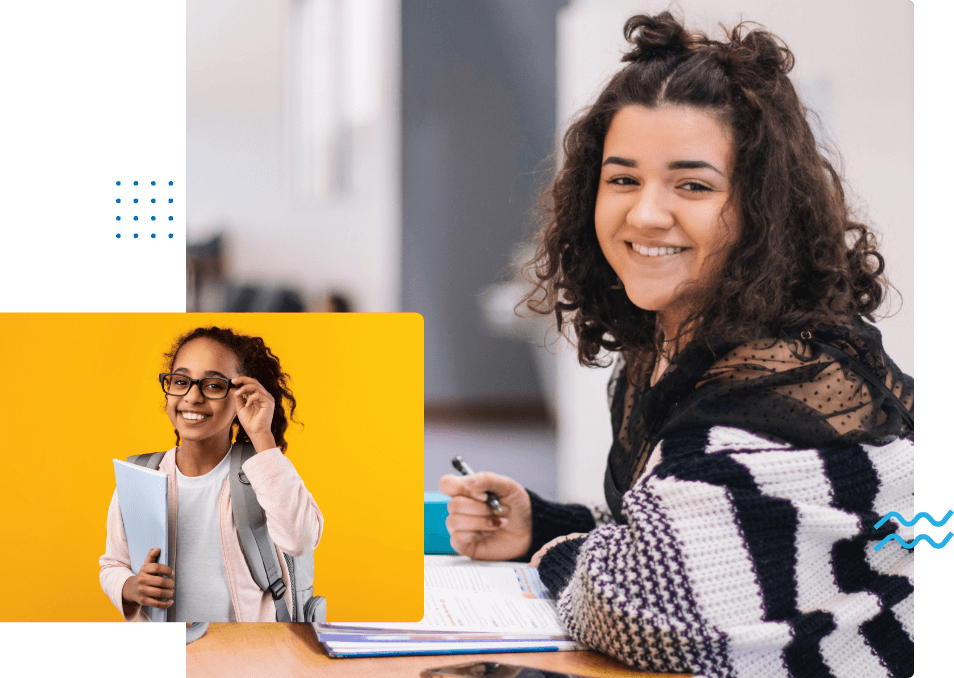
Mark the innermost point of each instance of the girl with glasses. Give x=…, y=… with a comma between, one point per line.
x=222, y=389
x=697, y=235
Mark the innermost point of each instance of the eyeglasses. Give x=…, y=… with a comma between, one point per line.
x=211, y=388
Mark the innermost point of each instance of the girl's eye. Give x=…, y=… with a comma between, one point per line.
x=628, y=181
x=213, y=386
x=179, y=382
x=695, y=187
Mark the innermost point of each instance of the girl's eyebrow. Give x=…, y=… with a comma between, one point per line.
x=208, y=373
x=674, y=165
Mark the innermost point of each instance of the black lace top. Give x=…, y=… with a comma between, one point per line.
x=785, y=389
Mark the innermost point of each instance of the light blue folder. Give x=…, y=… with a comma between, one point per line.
x=143, y=498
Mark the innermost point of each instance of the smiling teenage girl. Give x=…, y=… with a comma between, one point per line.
x=759, y=428
x=220, y=386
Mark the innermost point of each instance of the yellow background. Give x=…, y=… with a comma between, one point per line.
x=78, y=390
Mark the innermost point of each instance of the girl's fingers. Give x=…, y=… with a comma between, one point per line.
x=157, y=594
x=451, y=485
x=481, y=482
x=250, y=386
x=158, y=582
x=466, y=523
x=154, y=592
x=247, y=391
x=155, y=602
x=243, y=399
x=466, y=542
x=467, y=505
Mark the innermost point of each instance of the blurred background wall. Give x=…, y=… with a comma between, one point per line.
x=293, y=116
x=380, y=156
x=479, y=114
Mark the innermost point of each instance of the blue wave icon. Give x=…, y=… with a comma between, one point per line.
x=914, y=542
x=922, y=514
x=909, y=523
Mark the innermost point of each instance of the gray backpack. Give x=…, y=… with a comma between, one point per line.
x=258, y=548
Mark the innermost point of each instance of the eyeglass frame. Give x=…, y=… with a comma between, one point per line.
x=228, y=385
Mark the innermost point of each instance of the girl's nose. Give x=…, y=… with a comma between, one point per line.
x=650, y=209
x=194, y=394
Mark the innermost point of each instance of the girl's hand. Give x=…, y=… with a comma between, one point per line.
x=254, y=407
x=153, y=586
x=535, y=561
x=471, y=522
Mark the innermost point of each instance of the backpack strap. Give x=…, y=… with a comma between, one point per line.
x=150, y=461
x=257, y=546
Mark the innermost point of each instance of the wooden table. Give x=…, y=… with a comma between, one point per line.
x=273, y=649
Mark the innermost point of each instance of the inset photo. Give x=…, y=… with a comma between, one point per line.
x=216, y=467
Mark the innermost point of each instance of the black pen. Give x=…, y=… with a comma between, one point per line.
x=492, y=501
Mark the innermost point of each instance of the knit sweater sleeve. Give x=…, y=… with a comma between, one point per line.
x=746, y=557
x=552, y=520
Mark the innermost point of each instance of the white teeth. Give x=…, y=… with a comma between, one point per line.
x=656, y=251
x=195, y=416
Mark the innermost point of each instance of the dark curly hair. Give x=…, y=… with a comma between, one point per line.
x=255, y=360
x=800, y=260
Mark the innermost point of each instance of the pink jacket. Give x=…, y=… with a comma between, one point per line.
x=291, y=515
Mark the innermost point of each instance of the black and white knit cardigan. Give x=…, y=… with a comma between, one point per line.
x=748, y=558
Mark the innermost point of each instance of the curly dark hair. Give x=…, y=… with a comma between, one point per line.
x=255, y=360
x=800, y=261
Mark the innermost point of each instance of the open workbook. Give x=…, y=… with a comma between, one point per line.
x=469, y=607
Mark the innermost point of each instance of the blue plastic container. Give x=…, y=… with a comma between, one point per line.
x=436, y=538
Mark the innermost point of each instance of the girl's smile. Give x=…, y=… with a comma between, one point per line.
x=191, y=415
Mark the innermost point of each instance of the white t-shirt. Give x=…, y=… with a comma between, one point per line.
x=202, y=587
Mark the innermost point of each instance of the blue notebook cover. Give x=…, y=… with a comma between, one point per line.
x=143, y=497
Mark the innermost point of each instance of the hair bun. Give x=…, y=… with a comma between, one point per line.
x=757, y=50
x=748, y=46
x=653, y=36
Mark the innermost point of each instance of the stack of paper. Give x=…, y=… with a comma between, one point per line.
x=468, y=608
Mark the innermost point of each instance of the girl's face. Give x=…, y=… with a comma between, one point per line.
x=197, y=418
x=663, y=210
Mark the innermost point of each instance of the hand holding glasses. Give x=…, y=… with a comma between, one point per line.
x=255, y=406
x=211, y=388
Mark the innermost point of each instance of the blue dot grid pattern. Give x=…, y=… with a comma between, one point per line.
x=153, y=200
